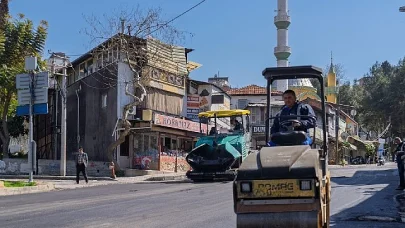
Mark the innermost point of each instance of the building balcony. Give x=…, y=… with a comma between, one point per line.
x=282, y=21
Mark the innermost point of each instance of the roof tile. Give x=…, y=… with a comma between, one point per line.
x=251, y=90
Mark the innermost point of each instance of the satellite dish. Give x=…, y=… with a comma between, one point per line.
x=353, y=112
x=344, y=135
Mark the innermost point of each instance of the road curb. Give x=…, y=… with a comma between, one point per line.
x=400, y=199
x=6, y=191
x=166, y=178
x=6, y=177
x=377, y=218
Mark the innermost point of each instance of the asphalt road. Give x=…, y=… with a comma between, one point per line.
x=356, y=192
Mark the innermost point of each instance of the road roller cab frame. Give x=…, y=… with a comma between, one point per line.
x=286, y=185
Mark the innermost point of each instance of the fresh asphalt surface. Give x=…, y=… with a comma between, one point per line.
x=356, y=191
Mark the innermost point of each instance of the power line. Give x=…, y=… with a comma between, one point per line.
x=163, y=25
x=173, y=19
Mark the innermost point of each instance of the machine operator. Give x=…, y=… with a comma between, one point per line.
x=294, y=107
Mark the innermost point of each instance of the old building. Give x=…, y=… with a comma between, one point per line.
x=221, y=82
x=206, y=96
x=96, y=98
x=241, y=97
x=258, y=118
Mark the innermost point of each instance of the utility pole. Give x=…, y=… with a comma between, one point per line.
x=30, y=68
x=63, y=120
x=337, y=121
x=60, y=61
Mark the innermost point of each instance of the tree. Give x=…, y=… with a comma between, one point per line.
x=18, y=38
x=140, y=25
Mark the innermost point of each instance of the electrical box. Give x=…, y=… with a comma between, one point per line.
x=30, y=63
x=147, y=115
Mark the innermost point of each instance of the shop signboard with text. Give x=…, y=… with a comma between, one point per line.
x=258, y=129
x=193, y=107
x=177, y=123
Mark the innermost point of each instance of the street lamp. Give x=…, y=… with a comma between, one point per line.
x=402, y=9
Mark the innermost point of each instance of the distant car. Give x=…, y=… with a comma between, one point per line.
x=358, y=160
x=13, y=149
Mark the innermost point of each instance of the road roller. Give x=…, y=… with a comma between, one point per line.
x=287, y=183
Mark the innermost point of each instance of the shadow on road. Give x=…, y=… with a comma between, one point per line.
x=196, y=182
x=371, y=192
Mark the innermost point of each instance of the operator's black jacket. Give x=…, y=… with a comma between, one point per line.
x=305, y=109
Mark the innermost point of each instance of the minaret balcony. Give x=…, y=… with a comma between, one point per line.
x=282, y=52
x=331, y=90
x=282, y=21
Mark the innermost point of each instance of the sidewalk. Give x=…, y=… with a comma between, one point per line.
x=52, y=183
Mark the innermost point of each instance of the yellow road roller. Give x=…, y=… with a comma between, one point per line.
x=287, y=183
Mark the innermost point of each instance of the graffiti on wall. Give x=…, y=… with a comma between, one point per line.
x=54, y=167
x=2, y=166
x=10, y=167
x=146, y=160
x=142, y=162
x=168, y=161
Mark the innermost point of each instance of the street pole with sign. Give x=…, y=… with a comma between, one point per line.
x=32, y=92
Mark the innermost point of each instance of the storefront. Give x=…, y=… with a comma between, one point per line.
x=258, y=136
x=166, y=144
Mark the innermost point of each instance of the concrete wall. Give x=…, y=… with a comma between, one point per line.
x=96, y=122
x=168, y=163
x=51, y=167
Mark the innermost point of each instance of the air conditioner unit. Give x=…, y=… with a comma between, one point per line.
x=132, y=111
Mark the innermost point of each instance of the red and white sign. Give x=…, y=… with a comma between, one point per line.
x=193, y=107
x=185, y=125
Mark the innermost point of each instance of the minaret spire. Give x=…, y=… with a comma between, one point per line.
x=332, y=67
x=282, y=51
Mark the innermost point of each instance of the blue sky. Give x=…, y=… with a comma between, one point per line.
x=237, y=37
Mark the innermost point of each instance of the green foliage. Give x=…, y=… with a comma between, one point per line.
x=18, y=184
x=20, y=155
x=384, y=98
x=370, y=150
x=18, y=38
x=346, y=145
x=21, y=39
x=379, y=97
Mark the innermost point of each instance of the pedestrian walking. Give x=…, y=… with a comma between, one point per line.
x=81, y=164
x=400, y=163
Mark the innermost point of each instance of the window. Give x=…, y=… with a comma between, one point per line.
x=146, y=145
x=217, y=99
x=82, y=70
x=99, y=61
x=255, y=115
x=89, y=67
x=116, y=53
x=105, y=58
x=124, y=147
x=262, y=114
x=242, y=103
x=70, y=78
x=104, y=100
x=110, y=55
